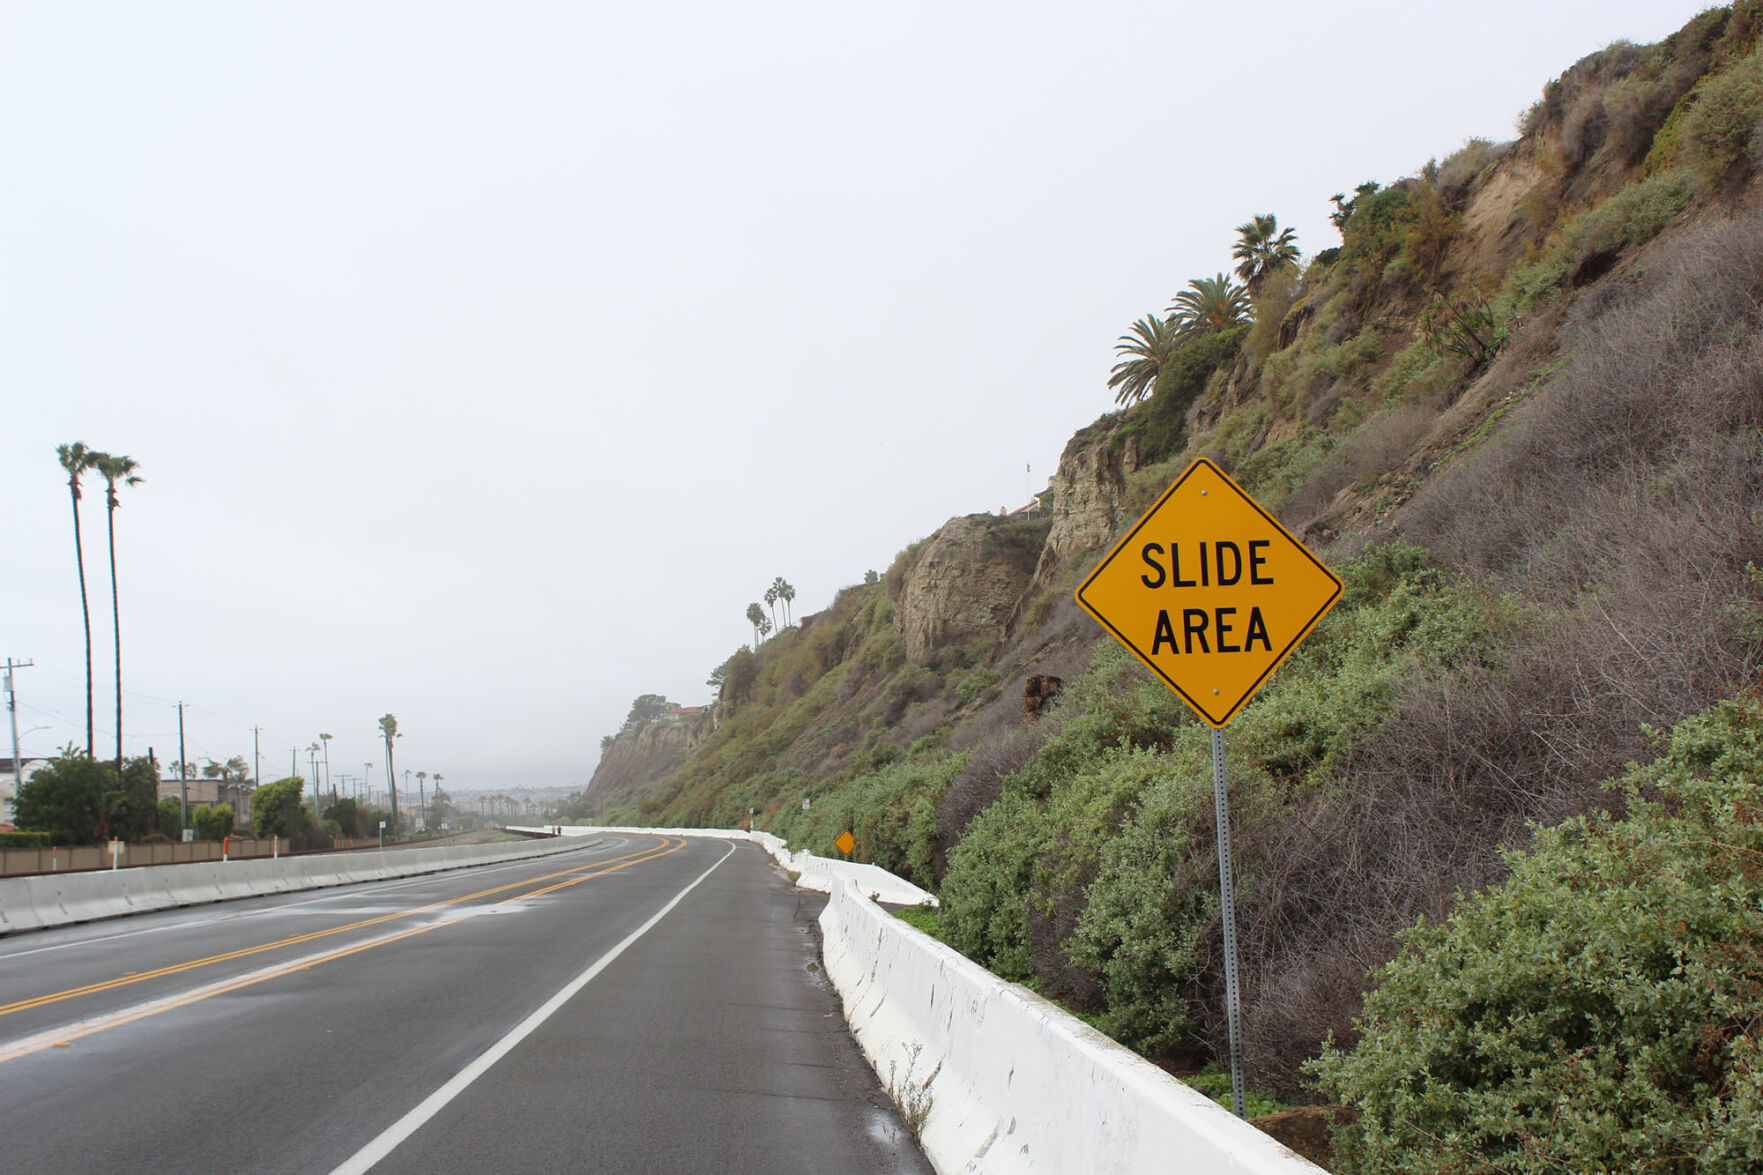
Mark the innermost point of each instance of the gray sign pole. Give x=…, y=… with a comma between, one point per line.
x=1227, y=903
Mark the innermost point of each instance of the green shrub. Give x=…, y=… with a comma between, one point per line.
x=25, y=840
x=1601, y=1009
x=1142, y=933
x=170, y=815
x=976, y=683
x=1273, y=471
x=212, y=822
x=1719, y=135
x=1416, y=371
x=276, y=810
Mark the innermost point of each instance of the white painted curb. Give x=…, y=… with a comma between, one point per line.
x=57, y=899
x=1006, y=1081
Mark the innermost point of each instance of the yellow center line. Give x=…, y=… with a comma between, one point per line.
x=61, y=1038
x=295, y=940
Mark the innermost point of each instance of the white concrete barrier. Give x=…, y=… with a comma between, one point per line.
x=816, y=873
x=1006, y=1082
x=57, y=899
x=995, y=1078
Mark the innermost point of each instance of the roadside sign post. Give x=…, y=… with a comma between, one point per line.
x=1211, y=593
x=846, y=843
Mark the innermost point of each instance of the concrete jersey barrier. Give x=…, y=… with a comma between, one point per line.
x=995, y=1078
x=59, y=899
x=820, y=874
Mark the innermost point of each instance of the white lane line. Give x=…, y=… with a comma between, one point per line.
x=389, y=1139
x=352, y=892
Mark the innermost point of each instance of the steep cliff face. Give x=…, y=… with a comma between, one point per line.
x=1087, y=491
x=965, y=584
x=633, y=761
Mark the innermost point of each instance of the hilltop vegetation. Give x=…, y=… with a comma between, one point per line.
x=1517, y=410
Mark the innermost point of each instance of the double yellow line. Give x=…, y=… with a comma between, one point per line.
x=571, y=877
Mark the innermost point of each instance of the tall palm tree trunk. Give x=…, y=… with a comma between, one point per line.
x=115, y=622
x=85, y=618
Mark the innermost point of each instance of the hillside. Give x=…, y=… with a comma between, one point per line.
x=1518, y=410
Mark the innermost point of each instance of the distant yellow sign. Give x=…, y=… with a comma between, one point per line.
x=846, y=842
x=1209, y=592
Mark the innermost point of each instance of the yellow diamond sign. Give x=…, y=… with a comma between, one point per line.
x=846, y=842
x=1210, y=592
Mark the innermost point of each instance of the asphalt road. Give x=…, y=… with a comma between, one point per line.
x=645, y=1004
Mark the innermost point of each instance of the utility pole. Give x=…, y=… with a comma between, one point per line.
x=183, y=774
x=12, y=711
x=256, y=756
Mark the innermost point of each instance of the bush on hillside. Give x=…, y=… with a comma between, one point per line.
x=1600, y=1010
x=1719, y=136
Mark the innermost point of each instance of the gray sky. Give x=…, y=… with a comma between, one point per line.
x=484, y=361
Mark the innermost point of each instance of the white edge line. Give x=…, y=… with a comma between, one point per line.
x=389, y=1139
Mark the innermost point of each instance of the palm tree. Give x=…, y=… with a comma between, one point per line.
x=114, y=470
x=1144, y=350
x=770, y=599
x=1263, y=249
x=1208, y=304
x=76, y=459
x=755, y=617
x=781, y=592
x=389, y=731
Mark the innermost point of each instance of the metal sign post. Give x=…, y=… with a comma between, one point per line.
x=1227, y=908
x=1211, y=593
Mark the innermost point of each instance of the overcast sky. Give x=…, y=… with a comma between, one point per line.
x=485, y=360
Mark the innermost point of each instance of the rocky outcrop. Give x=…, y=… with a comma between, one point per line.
x=1087, y=490
x=634, y=760
x=961, y=589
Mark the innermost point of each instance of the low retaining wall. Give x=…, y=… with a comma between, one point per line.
x=994, y=1078
x=56, y=899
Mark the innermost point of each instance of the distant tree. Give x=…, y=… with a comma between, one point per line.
x=1207, y=306
x=212, y=822
x=65, y=798
x=717, y=677
x=871, y=577
x=743, y=671
x=785, y=594
x=347, y=815
x=440, y=806
x=764, y=626
x=770, y=598
x=276, y=810
x=170, y=818
x=1263, y=249
x=755, y=616
x=1343, y=207
x=1144, y=349
x=77, y=459
x=131, y=805
x=115, y=470
x=646, y=709
x=389, y=731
